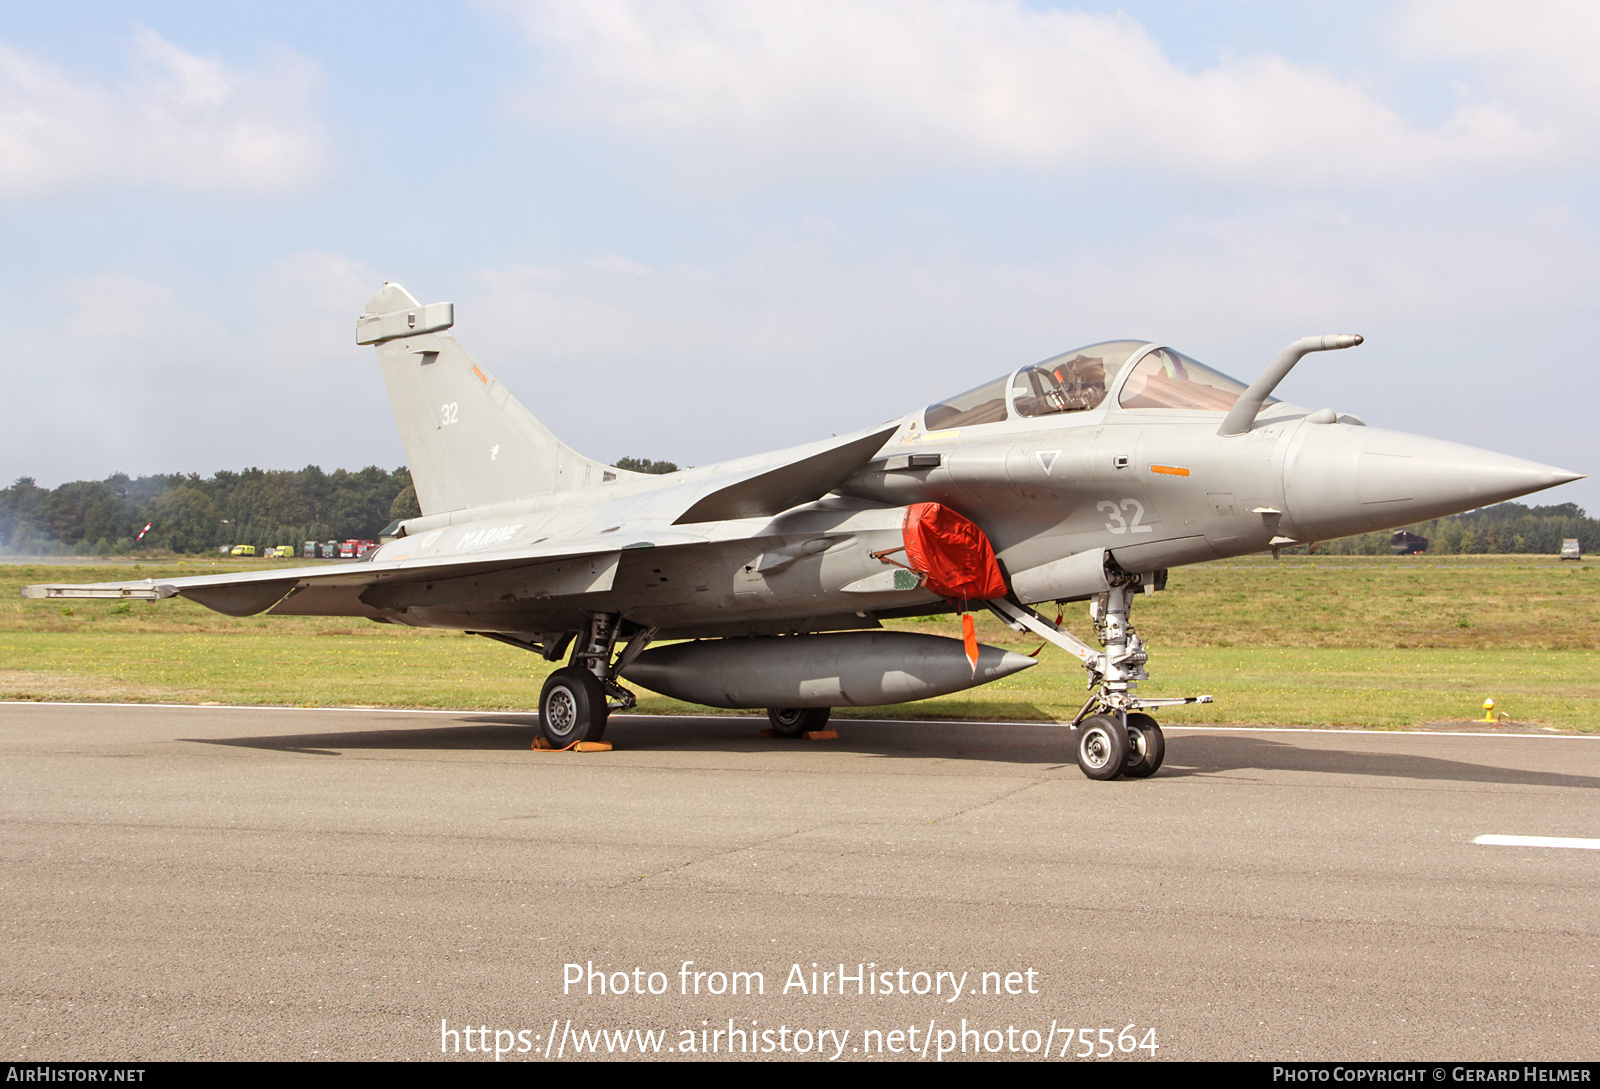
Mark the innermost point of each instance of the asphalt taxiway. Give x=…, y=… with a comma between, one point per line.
x=213, y=882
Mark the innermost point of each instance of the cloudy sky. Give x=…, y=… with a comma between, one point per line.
x=694, y=230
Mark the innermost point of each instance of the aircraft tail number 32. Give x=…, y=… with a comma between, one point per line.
x=1126, y=516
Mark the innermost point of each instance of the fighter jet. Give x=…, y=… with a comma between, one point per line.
x=765, y=580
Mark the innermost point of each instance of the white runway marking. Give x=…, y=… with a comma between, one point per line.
x=1538, y=841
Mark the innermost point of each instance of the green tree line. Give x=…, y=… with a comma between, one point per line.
x=1505, y=528
x=188, y=513
x=266, y=508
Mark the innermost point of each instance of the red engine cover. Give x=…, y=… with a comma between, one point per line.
x=952, y=554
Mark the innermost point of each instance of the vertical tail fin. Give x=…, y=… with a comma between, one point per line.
x=468, y=442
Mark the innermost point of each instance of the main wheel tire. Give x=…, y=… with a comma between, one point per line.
x=572, y=707
x=1102, y=747
x=1147, y=746
x=794, y=721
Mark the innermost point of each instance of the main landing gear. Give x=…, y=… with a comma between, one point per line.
x=1115, y=737
x=579, y=697
x=794, y=721
x=572, y=707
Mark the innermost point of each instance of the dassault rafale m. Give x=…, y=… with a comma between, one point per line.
x=765, y=579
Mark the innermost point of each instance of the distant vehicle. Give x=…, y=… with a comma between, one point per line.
x=1570, y=549
x=282, y=552
x=308, y=551
x=1405, y=543
x=355, y=549
x=242, y=550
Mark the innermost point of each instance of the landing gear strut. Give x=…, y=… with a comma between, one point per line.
x=1114, y=736
x=579, y=697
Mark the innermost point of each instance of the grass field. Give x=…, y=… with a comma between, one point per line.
x=1371, y=641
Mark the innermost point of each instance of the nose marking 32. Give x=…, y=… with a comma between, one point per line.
x=1117, y=512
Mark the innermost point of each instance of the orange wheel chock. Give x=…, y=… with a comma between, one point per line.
x=542, y=745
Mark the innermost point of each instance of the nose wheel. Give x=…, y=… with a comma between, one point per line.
x=1147, y=746
x=1102, y=747
x=1107, y=748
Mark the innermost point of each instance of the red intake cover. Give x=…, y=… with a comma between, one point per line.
x=952, y=554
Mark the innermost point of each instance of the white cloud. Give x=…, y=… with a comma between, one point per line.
x=111, y=304
x=615, y=262
x=1539, y=54
x=830, y=305
x=178, y=121
x=144, y=375
x=306, y=307
x=809, y=330
x=1306, y=264
x=888, y=86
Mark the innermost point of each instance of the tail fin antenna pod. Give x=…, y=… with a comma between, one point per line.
x=468, y=442
x=393, y=312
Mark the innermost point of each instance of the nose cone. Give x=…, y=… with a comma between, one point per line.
x=1341, y=480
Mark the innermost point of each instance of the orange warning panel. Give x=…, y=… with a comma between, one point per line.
x=1169, y=470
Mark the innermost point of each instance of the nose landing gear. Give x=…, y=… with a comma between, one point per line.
x=1114, y=736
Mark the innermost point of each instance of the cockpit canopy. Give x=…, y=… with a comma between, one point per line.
x=1080, y=380
x=1168, y=379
